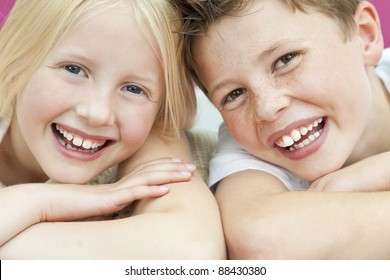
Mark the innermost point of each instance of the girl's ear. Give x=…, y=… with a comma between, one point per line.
x=369, y=31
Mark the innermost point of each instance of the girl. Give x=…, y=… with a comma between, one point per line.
x=84, y=86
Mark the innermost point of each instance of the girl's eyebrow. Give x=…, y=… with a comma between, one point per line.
x=70, y=54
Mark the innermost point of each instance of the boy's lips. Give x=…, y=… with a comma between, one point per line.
x=75, y=142
x=301, y=136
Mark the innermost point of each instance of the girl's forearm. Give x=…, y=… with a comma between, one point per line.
x=170, y=227
x=19, y=210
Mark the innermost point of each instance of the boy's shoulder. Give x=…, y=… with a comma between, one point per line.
x=383, y=68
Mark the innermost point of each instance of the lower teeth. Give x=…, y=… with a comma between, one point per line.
x=305, y=142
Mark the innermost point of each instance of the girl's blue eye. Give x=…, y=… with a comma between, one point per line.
x=74, y=69
x=134, y=89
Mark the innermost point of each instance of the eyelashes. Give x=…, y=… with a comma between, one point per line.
x=284, y=61
x=280, y=67
x=233, y=95
x=74, y=69
x=77, y=70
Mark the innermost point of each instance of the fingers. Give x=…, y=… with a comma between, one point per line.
x=78, y=203
x=142, y=192
x=126, y=196
x=158, y=172
x=164, y=164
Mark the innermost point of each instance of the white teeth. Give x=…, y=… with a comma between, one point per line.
x=87, y=144
x=287, y=141
x=78, y=141
x=68, y=136
x=303, y=131
x=296, y=135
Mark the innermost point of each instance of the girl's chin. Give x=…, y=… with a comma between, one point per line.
x=71, y=179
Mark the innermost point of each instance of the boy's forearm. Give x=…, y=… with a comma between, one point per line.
x=370, y=174
x=325, y=226
x=304, y=225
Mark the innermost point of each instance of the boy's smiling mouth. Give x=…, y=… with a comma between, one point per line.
x=302, y=136
x=76, y=142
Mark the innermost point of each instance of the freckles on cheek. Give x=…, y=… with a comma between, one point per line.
x=237, y=126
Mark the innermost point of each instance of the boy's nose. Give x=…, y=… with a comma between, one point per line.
x=96, y=109
x=268, y=104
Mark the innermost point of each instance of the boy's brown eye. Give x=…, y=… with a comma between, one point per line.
x=285, y=59
x=282, y=61
x=234, y=94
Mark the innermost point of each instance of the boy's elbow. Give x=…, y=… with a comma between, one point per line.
x=199, y=248
x=206, y=251
x=256, y=240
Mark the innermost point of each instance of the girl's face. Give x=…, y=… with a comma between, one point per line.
x=93, y=101
x=290, y=89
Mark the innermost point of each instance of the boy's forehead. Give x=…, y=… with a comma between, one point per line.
x=266, y=28
x=268, y=17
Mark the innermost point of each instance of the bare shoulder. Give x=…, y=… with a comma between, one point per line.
x=158, y=147
x=249, y=182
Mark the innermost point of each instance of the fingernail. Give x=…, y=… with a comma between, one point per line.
x=190, y=166
x=186, y=173
x=163, y=188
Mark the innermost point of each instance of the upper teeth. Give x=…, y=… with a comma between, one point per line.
x=78, y=141
x=296, y=135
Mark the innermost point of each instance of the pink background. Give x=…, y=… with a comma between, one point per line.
x=383, y=7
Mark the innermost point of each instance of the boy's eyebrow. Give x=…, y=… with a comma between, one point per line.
x=267, y=52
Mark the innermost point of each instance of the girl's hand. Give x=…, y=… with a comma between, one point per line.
x=157, y=172
x=370, y=174
x=40, y=202
x=72, y=202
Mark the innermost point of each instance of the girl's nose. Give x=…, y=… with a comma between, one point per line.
x=97, y=109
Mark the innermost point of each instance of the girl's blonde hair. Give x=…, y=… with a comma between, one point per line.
x=34, y=27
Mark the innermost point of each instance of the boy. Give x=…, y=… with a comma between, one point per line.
x=303, y=105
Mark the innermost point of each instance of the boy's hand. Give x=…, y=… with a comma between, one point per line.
x=370, y=174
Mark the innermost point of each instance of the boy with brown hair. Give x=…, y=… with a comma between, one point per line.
x=305, y=100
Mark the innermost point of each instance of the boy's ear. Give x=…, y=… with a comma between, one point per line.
x=369, y=30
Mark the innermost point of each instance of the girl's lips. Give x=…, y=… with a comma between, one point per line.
x=77, y=145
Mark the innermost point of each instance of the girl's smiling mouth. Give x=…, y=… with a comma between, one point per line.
x=78, y=143
x=302, y=136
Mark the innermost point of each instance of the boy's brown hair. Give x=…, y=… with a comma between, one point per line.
x=199, y=15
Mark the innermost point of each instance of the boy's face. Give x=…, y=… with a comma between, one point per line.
x=93, y=101
x=289, y=88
